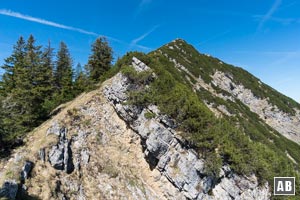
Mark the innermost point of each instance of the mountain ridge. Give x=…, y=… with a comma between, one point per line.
x=165, y=127
x=285, y=106
x=218, y=61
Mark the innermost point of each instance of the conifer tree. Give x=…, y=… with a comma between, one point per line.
x=47, y=66
x=8, y=84
x=8, y=105
x=19, y=106
x=10, y=64
x=28, y=84
x=63, y=74
x=45, y=82
x=81, y=80
x=2, y=131
x=100, y=60
x=27, y=93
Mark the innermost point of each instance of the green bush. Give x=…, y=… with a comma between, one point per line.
x=143, y=77
x=149, y=115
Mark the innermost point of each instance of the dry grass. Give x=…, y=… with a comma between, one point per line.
x=37, y=139
x=116, y=160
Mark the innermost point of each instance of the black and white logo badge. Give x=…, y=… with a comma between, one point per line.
x=284, y=185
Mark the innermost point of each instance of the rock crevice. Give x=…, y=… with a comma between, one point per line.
x=60, y=155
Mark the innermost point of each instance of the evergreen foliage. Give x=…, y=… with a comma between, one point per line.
x=100, y=60
x=243, y=141
x=81, y=80
x=46, y=82
x=205, y=65
x=20, y=108
x=33, y=84
x=12, y=63
x=63, y=75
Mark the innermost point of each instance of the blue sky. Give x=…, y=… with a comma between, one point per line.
x=263, y=37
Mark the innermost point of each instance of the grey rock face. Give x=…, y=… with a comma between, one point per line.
x=240, y=188
x=54, y=129
x=168, y=122
x=286, y=124
x=60, y=155
x=68, y=161
x=9, y=189
x=139, y=65
x=181, y=166
x=26, y=169
x=56, y=157
x=81, y=159
x=63, y=133
x=159, y=141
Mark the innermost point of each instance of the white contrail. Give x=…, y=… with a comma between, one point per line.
x=62, y=26
x=135, y=41
x=269, y=14
x=43, y=21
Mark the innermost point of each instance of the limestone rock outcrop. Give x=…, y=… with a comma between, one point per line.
x=60, y=155
x=100, y=147
x=179, y=164
x=286, y=124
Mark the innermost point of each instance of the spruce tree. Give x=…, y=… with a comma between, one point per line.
x=47, y=67
x=19, y=109
x=10, y=64
x=81, y=80
x=63, y=74
x=27, y=93
x=100, y=60
x=9, y=106
x=28, y=84
x=45, y=82
x=2, y=131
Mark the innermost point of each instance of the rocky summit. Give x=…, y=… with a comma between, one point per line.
x=172, y=124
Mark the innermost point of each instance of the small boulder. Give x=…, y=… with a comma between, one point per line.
x=26, y=170
x=9, y=189
x=56, y=157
